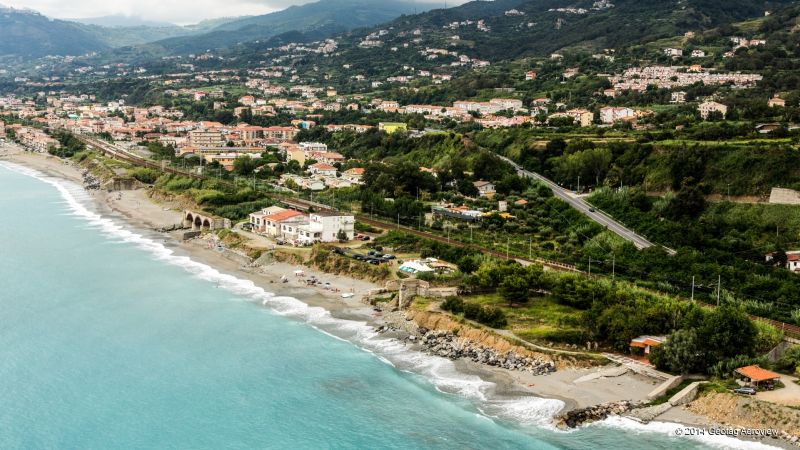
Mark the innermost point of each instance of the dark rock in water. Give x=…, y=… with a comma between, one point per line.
x=578, y=417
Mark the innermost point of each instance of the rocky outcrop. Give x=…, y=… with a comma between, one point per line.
x=89, y=181
x=578, y=417
x=455, y=341
x=448, y=345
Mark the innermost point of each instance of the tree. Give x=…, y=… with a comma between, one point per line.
x=514, y=289
x=468, y=264
x=341, y=235
x=681, y=353
x=244, y=165
x=727, y=332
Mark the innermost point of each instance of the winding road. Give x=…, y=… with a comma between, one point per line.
x=585, y=208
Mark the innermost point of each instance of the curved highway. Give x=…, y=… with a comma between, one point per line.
x=585, y=208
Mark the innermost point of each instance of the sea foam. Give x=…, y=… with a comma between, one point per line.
x=441, y=372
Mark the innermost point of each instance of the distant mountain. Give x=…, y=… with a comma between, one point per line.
x=123, y=32
x=123, y=21
x=28, y=34
x=511, y=29
x=325, y=16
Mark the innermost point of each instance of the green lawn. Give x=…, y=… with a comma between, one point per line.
x=540, y=320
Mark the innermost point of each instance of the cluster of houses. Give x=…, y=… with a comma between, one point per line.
x=33, y=139
x=671, y=77
x=301, y=229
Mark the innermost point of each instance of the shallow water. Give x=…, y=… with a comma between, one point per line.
x=109, y=340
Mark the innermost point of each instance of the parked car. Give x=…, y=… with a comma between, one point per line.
x=365, y=238
x=280, y=242
x=745, y=390
x=388, y=256
x=359, y=257
x=378, y=255
x=371, y=252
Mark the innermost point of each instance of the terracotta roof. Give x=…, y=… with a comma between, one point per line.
x=644, y=341
x=283, y=215
x=756, y=374
x=323, y=166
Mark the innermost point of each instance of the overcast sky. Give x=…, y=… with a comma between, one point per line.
x=175, y=11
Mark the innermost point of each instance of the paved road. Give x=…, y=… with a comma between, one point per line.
x=586, y=209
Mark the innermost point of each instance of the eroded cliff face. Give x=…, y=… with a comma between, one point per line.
x=441, y=322
x=324, y=260
x=747, y=412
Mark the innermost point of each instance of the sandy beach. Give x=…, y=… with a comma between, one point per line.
x=140, y=212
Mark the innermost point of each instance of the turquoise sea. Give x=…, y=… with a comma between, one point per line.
x=110, y=340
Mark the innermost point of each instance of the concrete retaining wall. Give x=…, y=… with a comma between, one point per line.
x=686, y=394
x=783, y=196
x=662, y=388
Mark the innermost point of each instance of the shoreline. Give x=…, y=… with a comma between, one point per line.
x=143, y=215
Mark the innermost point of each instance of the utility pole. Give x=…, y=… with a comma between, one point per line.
x=719, y=287
x=579, y=183
x=530, y=247
x=590, y=266
x=613, y=266
x=693, y=289
x=398, y=221
x=508, y=244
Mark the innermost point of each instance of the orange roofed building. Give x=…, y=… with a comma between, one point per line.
x=647, y=344
x=755, y=375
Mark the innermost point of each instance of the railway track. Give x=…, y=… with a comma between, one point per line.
x=789, y=330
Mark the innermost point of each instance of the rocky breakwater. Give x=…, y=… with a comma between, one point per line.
x=578, y=417
x=448, y=345
x=89, y=181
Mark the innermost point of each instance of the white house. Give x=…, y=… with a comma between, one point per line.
x=485, y=188
x=325, y=227
x=275, y=222
x=678, y=97
x=611, y=114
x=792, y=260
x=707, y=108
x=322, y=169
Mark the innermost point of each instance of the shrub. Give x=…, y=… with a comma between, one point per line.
x=426, y=276
x=146, y=176
x=577, y=337
x=471, y=311
x=725, y=368
x=453, y=304
x=790, y=361
x=493, y=317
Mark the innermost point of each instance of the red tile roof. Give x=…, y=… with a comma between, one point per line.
x=756, y=373
x=283, y=215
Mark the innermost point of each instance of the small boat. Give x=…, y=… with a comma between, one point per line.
x=348, y=295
